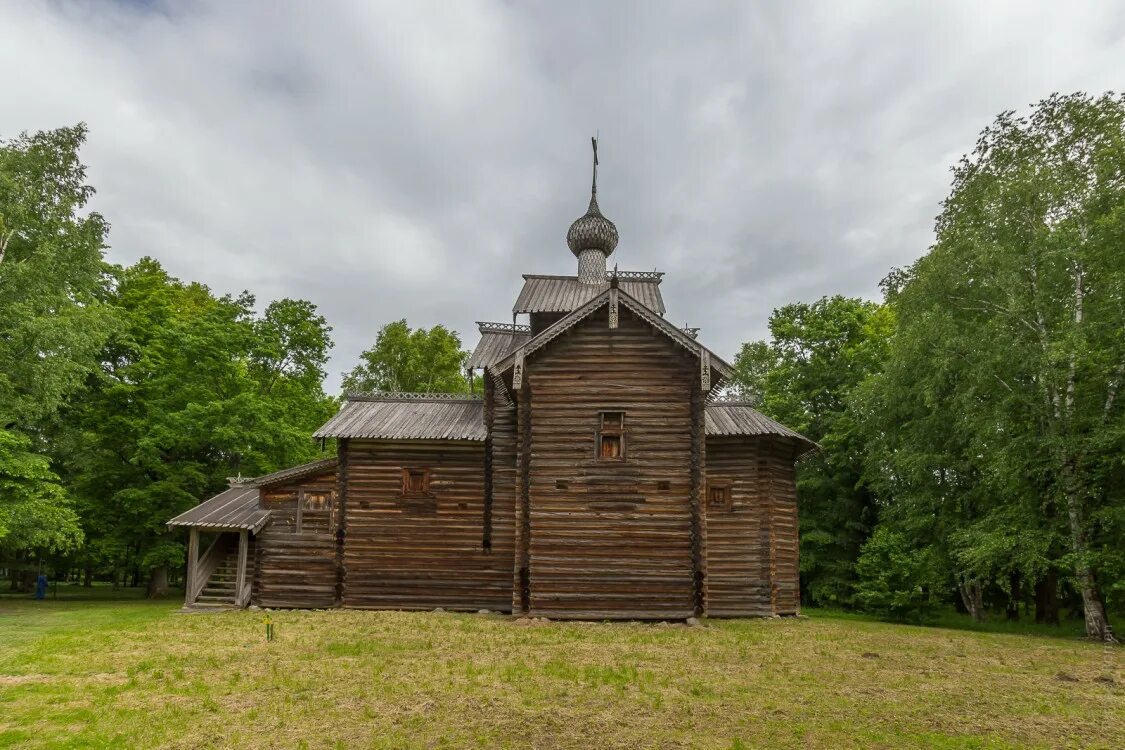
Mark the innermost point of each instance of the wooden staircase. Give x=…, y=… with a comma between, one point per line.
x=219, y=591
x=213, y=577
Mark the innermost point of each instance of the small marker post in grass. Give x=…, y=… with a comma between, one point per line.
x=269, y=629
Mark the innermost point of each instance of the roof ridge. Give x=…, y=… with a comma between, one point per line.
x=408, y=396
x=656, y=276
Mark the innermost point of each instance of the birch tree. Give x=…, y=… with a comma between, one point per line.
x=1012, y=338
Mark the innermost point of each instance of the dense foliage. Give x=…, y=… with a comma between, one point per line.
x=982, y=419
x=803, y=377
x=420, y=360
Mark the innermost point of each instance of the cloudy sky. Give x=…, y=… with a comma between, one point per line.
x=412, y=159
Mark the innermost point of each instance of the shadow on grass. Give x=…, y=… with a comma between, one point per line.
x=98, y=592
x=952, y=620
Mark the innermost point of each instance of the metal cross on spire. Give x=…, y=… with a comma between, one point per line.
x=594, y=187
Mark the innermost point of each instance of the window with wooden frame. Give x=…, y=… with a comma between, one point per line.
x=611, y=435
x=315, y=500
x=415, y=482
x=719, y=495
x=313, y=510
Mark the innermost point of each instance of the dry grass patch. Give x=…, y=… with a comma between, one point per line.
x=139, y=675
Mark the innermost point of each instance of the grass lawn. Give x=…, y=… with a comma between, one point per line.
x=131, y=673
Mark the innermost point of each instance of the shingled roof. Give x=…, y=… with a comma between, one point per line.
x=737, y=418
x=497, y=340
x=566, y=293
x=407, y=416
x=237, y=506
x=231, y=509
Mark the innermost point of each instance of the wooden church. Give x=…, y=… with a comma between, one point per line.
x=598, y=476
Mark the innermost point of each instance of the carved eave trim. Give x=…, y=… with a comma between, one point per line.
x=517, y=370
x=407, y=396
x=486, y=327
x=568, y=321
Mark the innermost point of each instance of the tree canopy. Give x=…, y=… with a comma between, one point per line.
x=426, y=360
x=995, y=434
x=803, y=376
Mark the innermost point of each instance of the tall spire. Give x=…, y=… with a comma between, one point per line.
x=594, y=185
x=592, y=237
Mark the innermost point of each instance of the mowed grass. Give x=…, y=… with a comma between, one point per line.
x=105, y=673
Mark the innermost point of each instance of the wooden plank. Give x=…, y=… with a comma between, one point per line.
x=190, y=591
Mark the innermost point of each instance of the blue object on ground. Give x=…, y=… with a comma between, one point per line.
x=41, y=586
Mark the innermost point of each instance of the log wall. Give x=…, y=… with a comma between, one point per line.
x=422, y=553
x=752, y=547
x=296, y=569
x=609, y=539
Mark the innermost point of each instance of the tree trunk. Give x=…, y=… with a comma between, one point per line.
x=157, y=582
x=88, y=576
x=972, y=595
x=1092, y=609
x=1047, y=599
x=1014, y=595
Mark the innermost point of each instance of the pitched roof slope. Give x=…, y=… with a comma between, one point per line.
x=407, y=416
x=234, y=508
x=740, y=418
x=566, y=293
x=568, y=321
x=295, y=472
x=497, y=340
x=237, y=507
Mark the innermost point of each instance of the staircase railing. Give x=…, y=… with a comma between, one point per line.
x=243, y=597
x=205, y=567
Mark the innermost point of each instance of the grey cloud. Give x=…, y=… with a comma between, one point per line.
x=391, y=160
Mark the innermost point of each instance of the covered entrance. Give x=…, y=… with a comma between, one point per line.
x=220, y=544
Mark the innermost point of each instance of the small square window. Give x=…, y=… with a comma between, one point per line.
x=316, y=500
x=719, y=496
x=611, y=435
x=611, y=446
x=664, y=485
x=415, y=482
x=562, y=484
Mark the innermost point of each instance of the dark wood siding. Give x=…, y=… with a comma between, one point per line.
x=296, y=569
x=786, y=563
x=504, y=497
x=421, y=552
x=752, y=548
x=610, y=538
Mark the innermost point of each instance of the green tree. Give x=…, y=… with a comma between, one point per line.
x=895, y=579
x=998, y=414
x=417, y=360
x=194, y=388
x=35, y=511
x=52, y=276
x=53, y=322
x=803, y=376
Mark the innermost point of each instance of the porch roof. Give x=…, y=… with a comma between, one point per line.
x=233, y=509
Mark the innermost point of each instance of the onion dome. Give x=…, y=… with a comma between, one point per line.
x=592, y=231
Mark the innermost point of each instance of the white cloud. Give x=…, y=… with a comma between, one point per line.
x=392, y=160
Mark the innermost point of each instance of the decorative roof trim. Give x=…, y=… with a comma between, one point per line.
x=408, y=396
x=485, y=327
x=568, y=321
x=654, y=276
x=650, y=276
